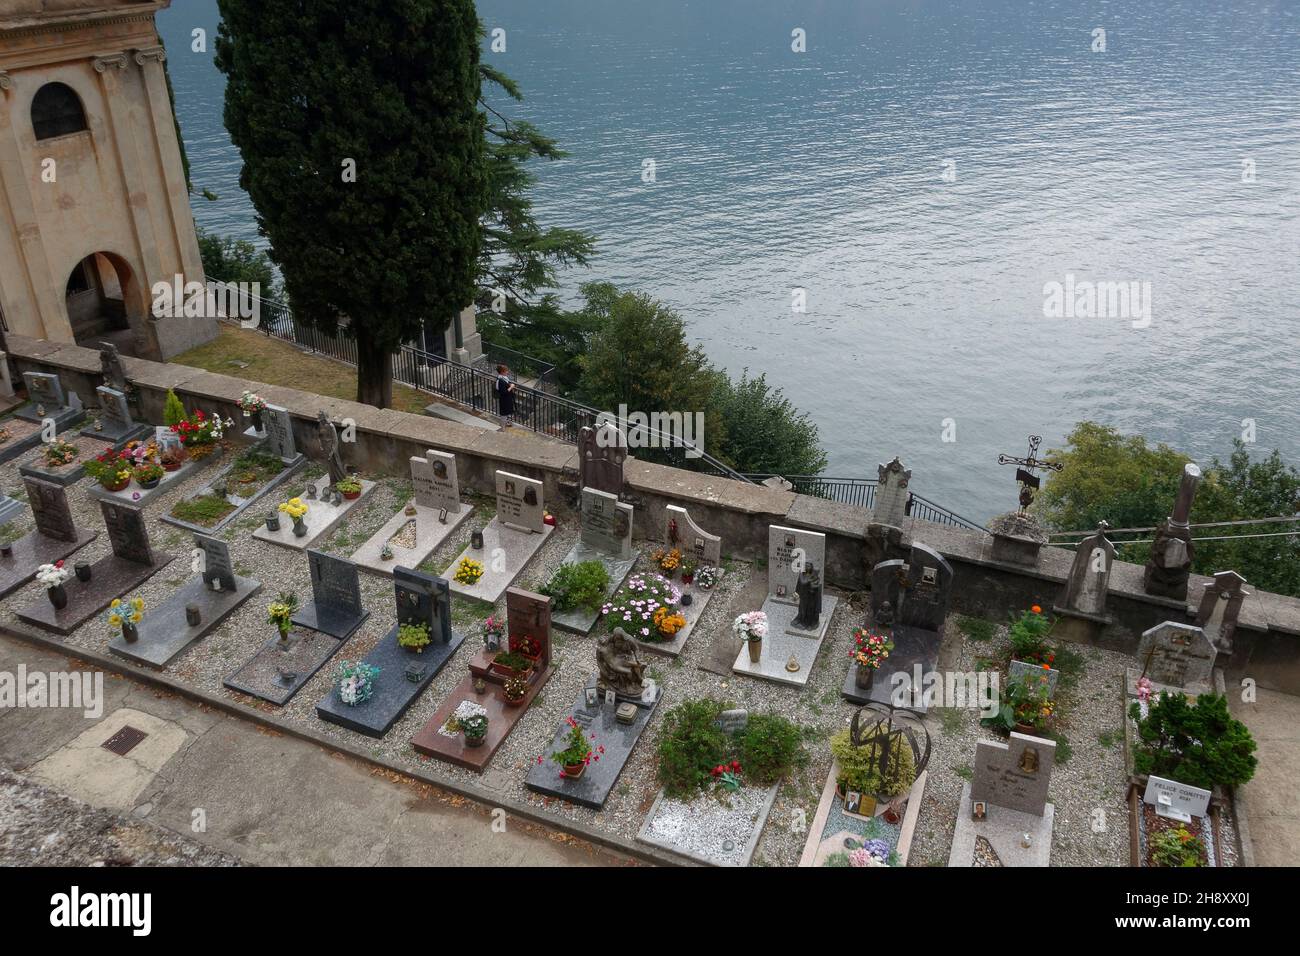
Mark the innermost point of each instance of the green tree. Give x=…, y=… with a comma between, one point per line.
x=519, y=258
x=1127, y=482
x=362, y=142
x=227, y=259
x=765, y=433
x=1200, y=745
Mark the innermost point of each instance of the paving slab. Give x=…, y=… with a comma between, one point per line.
x=279, y=670
x=322, y=517
x=429, y=533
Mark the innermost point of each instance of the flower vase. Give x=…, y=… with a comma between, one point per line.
x=58, y=596
x=755, y=650
x=130, y=633
x=256, y=417
x=299, y=528
x=862, y=679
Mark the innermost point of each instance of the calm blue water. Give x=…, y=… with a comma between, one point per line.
x=823, y=170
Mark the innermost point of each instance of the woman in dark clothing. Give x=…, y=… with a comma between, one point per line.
x=505, y=395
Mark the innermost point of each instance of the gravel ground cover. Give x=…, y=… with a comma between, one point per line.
x=1093, y=777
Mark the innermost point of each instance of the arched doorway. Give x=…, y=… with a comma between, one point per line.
x=104, y=305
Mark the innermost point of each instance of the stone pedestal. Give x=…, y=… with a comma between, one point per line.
x=1017, y=539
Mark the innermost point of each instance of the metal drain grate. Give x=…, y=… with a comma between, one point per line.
x=124, y=741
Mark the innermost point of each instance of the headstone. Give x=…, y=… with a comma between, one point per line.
x=115, y=422
x=789, y=550
x=9, y=509
x=335, y=607
x=606, y=523
x=890, y=505
x=423, y=599
x=44, y=388
x=1220, y=607
x=519, y=502
x=127, y=532
x=1177, y=655
x=49, y=504
x=279, y=431
x=218, y=572
x=1177, y=801
x=1170, y=563
x=732, y=721
x=1014, y=775
x=435, y=481
x=601, y=453
x=528, y=616
x=680, y=531
x=1089, y=581
x=110, y=364
x=929, y=584
x=887, y=580
x=6, y=383
x=1019, y=670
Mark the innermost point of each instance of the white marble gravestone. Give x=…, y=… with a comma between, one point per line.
x=1177, y=656
x=510, y=540
x=681, y=531
x=424, y=522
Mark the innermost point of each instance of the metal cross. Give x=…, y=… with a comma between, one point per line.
x=1029, y=482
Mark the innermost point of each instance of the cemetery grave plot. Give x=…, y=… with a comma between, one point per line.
x=113, y=423
x=55, y=537
x=47, y=400
x=57, y=469
x=321, y=518
x=606, y=538
x=835, y=833
x=278, y=671
x=16, y=437
x=234, y=489
x=716, y=830
x=509, y=541
x=424, y=523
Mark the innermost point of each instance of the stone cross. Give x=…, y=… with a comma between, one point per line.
x=1220, y=607
x=890, y=506
x=1170, y=563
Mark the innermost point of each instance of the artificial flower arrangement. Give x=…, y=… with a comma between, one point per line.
x=125, y=612
x=750, y=626
x=706, y=577
x=110, y=468
x=356, y=680
x=529, y=646
x=634, y=606
x=579, y=752
x=251, y=402
x=468, y=571
x=515, y=688
x=414, y=636
x=280, y=612
x=727, y=775
x=494, y=626
x=58, y=453
x=668, y=560
x=295, y=508
x=53, y=575
x=870, y=648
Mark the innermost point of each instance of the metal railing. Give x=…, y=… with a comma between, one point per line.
x=541, y=374
x=926, y=510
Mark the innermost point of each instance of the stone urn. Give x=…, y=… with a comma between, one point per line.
x=273, y=522
x=82, y=570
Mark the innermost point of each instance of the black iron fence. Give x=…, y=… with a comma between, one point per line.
x=540, y=374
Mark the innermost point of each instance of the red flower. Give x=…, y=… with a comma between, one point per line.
x=735, y=765
x=1036, y=609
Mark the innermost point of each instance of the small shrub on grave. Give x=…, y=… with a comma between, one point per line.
x=173, y=409
x=1176, y=847
x=690, y=746
x=1024, y=702
x=976, y=628
x=579, y=585
x=1200, y=745
x=860, y=767
x=413, y=636
x=1029, y=633
x=770, y=747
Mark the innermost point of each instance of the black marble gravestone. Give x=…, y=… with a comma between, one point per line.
x=335, y=607
x=56, y=535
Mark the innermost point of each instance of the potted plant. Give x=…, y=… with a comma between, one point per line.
x=280, y=612
x=349, y=487
x=252, y=405
x=53, y=577
x=296, y=509
x=127, y=616
x=707, y=576
x=869, y=651
x=514, y=690
x=414, y=637
x=468, y=571
x=1026, y=706
x=148, y=474
x=689, y=567
x=200, y=432
x=577, y=752
x=494, y=628
x=356, y=681
x=173, y=457
x=475, y=728
x=1028, y=634
x=668, y=560
x=512, y=664
x=667, y=622
x=57, y=453
x=110, y=468
x=751, y=628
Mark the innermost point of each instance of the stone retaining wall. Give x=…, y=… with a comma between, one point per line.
x=1268, y=636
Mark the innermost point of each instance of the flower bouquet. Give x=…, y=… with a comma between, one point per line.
x=52, y=578
x=296, y=509
x=751, y=627
x=57, y=453
x=252, y=405
x=356, y=680
x=126, y=615
x=869, y=651
x=468, y=571
x=280, y=612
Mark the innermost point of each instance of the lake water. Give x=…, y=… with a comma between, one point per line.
x=825, y=170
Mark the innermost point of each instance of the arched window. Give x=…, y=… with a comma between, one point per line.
x=56, y=111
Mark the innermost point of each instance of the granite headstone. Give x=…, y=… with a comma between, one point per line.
x=1177, y=655
x=1015, y=775
x=435, y=481
x=520, y=502
x=606, y=523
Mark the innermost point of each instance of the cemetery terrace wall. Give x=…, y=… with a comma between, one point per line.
x=1268, y=636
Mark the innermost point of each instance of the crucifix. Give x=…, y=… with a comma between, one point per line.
x=1029, y=482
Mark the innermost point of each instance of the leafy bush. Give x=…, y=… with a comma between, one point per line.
x=1176, y=848
x=858, y=771
x=582, y=584
x=1200, y=745
x=173, y=409
x=1029, y=637
x=770, y=747
x=690, y=746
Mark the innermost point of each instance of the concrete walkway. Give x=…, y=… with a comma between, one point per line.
x=1273, y=814
x=263, y=797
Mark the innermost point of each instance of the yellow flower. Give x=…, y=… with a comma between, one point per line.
x=137, y=603
x=116, y=602
x=115, y=619
x=137, y=617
